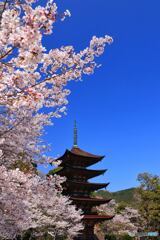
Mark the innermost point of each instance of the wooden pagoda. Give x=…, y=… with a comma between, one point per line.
x=74, y=166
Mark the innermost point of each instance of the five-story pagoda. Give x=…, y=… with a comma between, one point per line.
x=74, y=166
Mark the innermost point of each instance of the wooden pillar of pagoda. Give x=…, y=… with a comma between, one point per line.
x=74, y=166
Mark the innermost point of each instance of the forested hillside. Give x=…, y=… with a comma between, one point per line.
x=126, y=196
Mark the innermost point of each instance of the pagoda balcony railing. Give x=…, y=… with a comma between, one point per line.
x=78, y=194
x=77, y=178
x=86, y=209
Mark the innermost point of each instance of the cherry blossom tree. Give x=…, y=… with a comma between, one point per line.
x=34, y=78
x=30, y=202
x=127, y=221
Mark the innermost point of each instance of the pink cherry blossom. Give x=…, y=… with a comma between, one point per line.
x=34, y=78
x=29, y=201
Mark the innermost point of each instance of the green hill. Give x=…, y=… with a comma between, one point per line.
x=126, y=196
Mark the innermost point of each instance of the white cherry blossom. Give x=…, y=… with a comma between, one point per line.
x=29, y=201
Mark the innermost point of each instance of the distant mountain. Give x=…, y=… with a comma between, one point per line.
x=126, y=196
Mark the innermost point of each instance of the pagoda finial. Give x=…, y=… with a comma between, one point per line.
x=75, y=142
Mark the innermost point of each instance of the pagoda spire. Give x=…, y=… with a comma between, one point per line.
x=75, y=140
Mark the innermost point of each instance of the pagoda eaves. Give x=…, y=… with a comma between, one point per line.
x=78, y=157
x=91, y=201
x=85, y=185
x=71, y=172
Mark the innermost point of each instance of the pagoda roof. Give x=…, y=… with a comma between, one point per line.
x=71, y=170
x=92, y=201
x=80, y=152
x=77, y=156
x=97, y=218
x=86, y=185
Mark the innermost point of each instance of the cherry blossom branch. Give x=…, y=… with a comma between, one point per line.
x=11, y=128
x=32, y=86
x=7, y=53
x=4, y=7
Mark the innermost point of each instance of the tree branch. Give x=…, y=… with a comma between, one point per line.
x=7, y=53
x=4, y=7
x=11, y=128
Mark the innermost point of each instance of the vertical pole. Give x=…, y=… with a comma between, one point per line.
x=75, y=140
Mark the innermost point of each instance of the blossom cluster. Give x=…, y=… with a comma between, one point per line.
x=29, y=201
x=124, y=222
x=33, y=78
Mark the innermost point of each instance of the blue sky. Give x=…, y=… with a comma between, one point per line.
x=118, y=108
